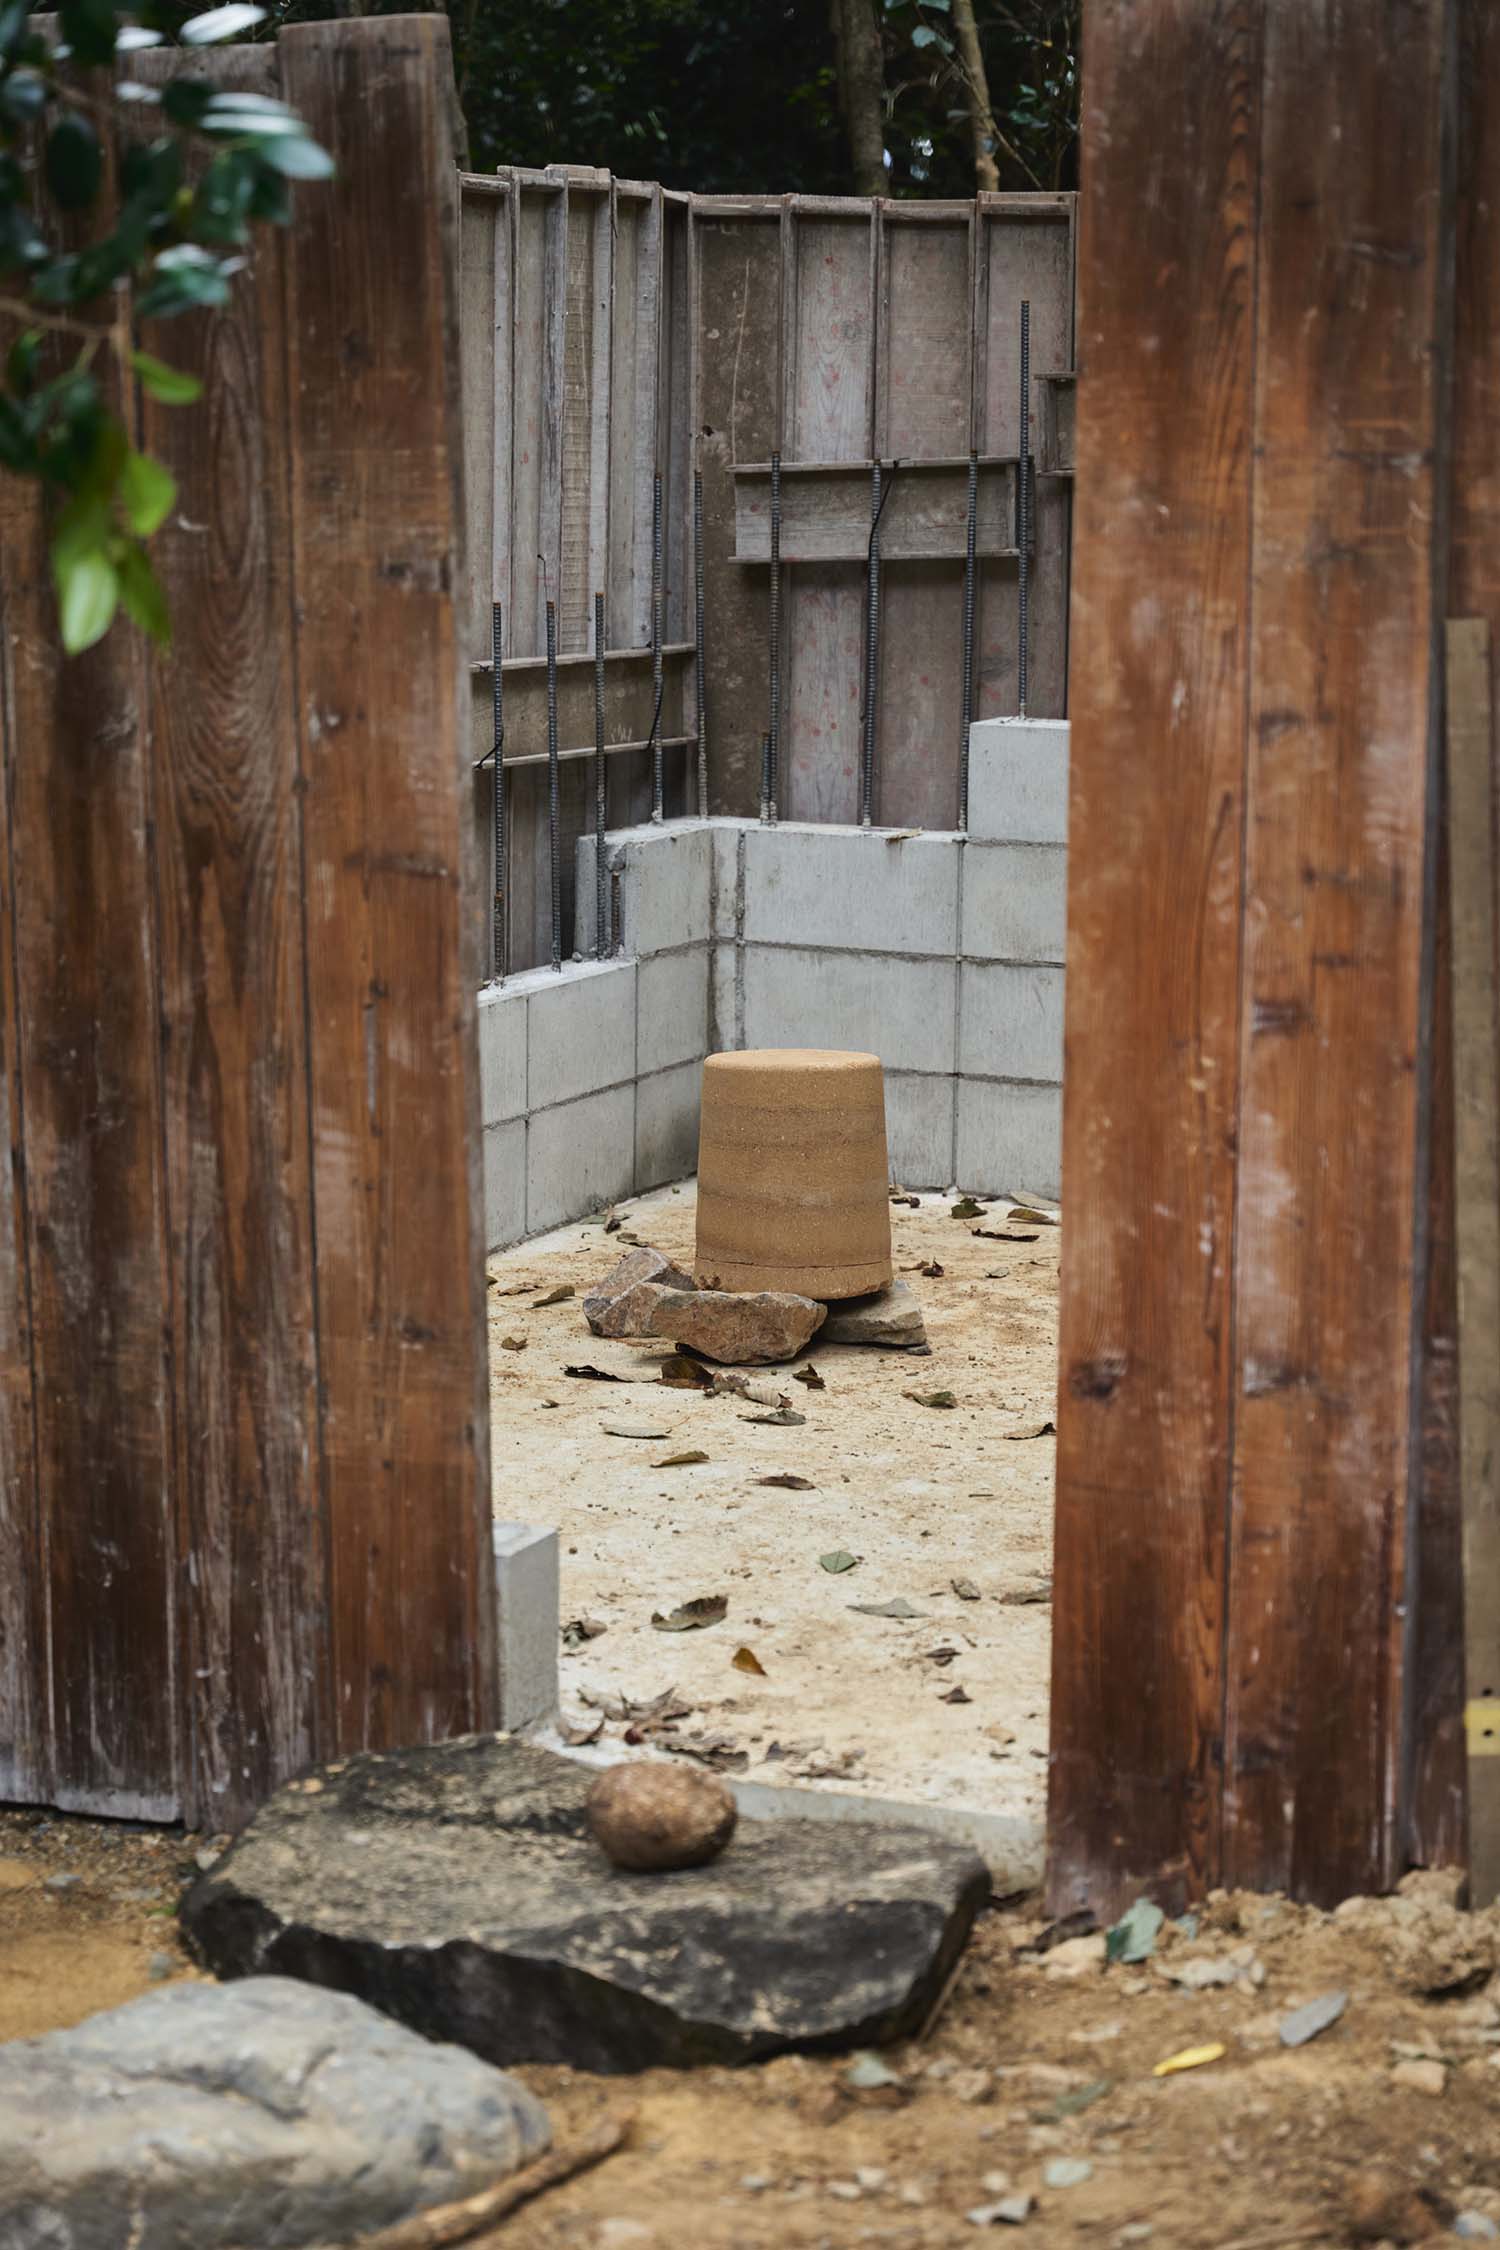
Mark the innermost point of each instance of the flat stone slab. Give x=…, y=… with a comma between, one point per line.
x=265, y=2113
x=457, y=1887
x=892, y=1317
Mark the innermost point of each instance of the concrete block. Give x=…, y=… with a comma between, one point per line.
x=899, y=1010
x=527, y=1601
x=728, y=836
x=502, y=1053
x=1015, y=902
x=723, y=1014
x=671, y=1009
x=1009, y=1137
x=1010, y=1022
x=580, y=1030
x=579, y=1157
x=1018, y=781
x=504, y=1183
x=919, y=1129
x=666, y=1126
x=853, y=887
x=664, y=877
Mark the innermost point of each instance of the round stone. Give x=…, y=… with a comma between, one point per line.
x=648, y=1817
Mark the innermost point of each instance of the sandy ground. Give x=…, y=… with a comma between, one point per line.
x=949, y=1705
x=1038, y=2059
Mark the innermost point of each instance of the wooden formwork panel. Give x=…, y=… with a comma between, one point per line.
x=612, y=331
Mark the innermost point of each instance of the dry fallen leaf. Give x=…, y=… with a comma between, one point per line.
x=965, y=1589
x=786, y=1416
x=688, y=1617
x=839, y=1561
x=557, y=1296
x=635, y=1429
x=1031, y=1430
x=1039, y=1591
x=1190, y=2058
x=581, y=1629
x=912, y=1202
x=1002, y=1234
x=585, y=1373
x=931, y=1398
x=956, y=1695
x=576, y=1736
x=809, y=1376
x=1031, y=1216
x=683, y=1374
x=688, y=1460
x=746, y=1660
x=513, y=1343
x=900, y=1607
x=786, y=1481
x=967, y=1208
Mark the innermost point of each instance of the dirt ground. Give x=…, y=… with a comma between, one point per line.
x=950, y=1704
x=1039, y=2058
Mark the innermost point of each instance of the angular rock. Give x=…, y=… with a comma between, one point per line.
x=892, y=1317
x=618, y=1304
x=266, y=2112
x=457, y=1886
x=740, y=1328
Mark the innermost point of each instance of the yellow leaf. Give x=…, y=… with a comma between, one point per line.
x=746, y=1660
x=1190, y=2058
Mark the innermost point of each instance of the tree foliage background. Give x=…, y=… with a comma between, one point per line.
x=747, y=97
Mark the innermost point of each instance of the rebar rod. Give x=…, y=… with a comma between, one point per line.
x=602, y=931
x=658, y=774
x=971, y=552
x=872, y=653
x=702, y=704
x=773, y=756
x=1023, y=514
x=554, y=789
x=502, y=838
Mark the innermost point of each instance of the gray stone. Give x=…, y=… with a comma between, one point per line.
x=457, y=1887
x=892, y=1317
x=618, y=1304
x=737, y=1327
x=265, y=2112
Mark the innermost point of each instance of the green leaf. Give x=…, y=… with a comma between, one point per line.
x=185, y=100
x=89, y=27
x=141, y=593
x=23, y=96
x=75, y=162
x=88, y=592
x=925, y=36
x=20, y=244
x=221, y=206
x=186, y=277
x=1133, y=1937
x=146, y=493
x=132, y=36
x=12, y=24
x=169, y=385
x=296, y=159
x=221, y=23
x=21, y=363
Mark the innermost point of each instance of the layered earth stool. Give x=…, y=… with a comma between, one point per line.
x=793, y=1181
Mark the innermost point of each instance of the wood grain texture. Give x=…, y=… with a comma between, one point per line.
x=225, y=808
x=393, y=927
x=1476, y=1177
x=1156, y=809
x=1349, y=350
x=88, y=1068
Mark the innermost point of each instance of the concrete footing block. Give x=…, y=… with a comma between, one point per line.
x=528, y=1602
x=1015, y=904
x=1018, y=781
x=878, y=1004
x=662, y=877
x=1009, y=1138
x=919, y=1129
x=864, y=890
x=1011, y=1019
x=666, y=1126
x=579, y=1158
x=504, y=1183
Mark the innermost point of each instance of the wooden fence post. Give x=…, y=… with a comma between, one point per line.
x=1256, y=687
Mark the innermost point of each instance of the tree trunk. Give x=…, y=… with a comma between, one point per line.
x=977, y=89
x=861, y=67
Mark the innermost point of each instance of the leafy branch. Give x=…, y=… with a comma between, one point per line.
x=108, y=185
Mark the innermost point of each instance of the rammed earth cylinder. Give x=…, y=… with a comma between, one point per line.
x=793, y=1178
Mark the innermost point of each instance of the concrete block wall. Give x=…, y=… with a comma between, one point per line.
x=941, y=953
x=590, y=1074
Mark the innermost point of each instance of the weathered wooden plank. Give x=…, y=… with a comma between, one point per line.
x=1476, y=1105
x=393, y=940
x=537, y=347
x=225, y=808
x=88, y=1065
x=739, y=263
x=629, y=698
x=482, y=219
x=1155, y=818
x=1350, y=348
x=25, y=1718
x=578, y=418
x=825, y=512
